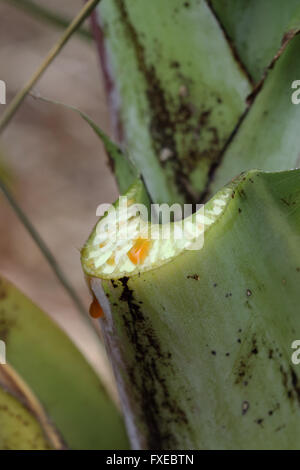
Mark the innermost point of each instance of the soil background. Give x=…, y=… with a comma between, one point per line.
x=57, y=166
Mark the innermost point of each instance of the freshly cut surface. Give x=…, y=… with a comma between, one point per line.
x=123, y=242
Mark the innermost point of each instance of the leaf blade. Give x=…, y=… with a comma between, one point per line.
x=66, y=385
x=268, y=137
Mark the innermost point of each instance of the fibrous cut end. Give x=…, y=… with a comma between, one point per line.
x=124, y=241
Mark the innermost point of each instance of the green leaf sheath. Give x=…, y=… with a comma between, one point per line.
x=202, y=344
x=256, y=28
x=268, y=137
x=178, y=90
x=123, y=169
x=67, y=387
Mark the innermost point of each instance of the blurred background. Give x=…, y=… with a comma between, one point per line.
x=56, y=165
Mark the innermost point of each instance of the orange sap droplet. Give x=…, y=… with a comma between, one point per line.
x=111, y=261
x=96, y=309
x=138, y=253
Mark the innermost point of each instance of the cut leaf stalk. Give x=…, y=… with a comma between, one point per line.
x=201, y=341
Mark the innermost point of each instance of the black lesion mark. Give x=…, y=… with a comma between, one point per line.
x=146, y=373
x=254, y=349
x=290, y=383
x=270, y=354
x=259, y=421
x=241, y=371
x=244, y=367
x=193, y=276
x=273, y=410
x=242, y=194
x=289, y=200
